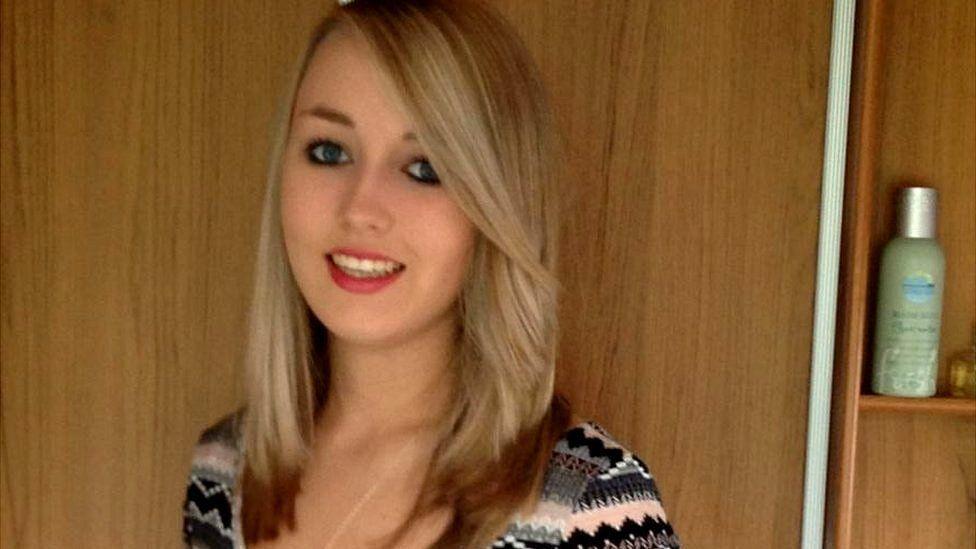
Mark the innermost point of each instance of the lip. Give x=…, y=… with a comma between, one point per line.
x=359, y=285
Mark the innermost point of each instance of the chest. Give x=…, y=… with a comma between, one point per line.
x=355, y=505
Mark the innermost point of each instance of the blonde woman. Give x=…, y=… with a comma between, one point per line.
x=402, y=340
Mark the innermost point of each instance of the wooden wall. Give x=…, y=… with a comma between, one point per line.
x=134, y=146
x=697, y=130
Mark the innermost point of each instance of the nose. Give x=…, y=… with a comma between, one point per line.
x=363, y=207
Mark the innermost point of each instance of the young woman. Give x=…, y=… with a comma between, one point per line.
x=402, y=342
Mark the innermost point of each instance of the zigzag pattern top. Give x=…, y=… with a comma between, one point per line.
x=596, y=494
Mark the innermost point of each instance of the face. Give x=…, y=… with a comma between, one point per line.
x=352, y=181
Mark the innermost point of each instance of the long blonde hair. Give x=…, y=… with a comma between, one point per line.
x=463, y=77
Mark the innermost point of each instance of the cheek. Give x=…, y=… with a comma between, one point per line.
x=302, y=209
x=454, y=236
x=293, y=214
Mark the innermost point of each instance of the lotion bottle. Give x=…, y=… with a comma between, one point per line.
x=909, y=310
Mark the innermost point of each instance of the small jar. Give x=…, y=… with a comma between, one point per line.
x=962, y=371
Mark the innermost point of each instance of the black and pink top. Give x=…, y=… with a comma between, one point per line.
x=596, y=494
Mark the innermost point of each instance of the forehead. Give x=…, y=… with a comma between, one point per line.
x=342, y=74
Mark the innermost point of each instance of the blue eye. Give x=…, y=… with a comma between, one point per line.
x=323, y=151
x=428, y=175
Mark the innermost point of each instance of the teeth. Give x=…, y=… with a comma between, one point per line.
x=365, y=267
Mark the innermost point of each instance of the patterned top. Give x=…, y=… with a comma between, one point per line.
x=595, y=494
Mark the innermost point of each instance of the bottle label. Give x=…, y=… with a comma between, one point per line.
x=908, y=369
x=907, y=352
x=918, y=287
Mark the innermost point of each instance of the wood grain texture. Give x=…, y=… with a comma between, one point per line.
x=916, y=482
x=696, y=132
x=964, y=407
x=134, y=147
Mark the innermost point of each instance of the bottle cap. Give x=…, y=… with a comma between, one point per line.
x=917, y=212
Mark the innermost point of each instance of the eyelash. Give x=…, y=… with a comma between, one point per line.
x=315, y=143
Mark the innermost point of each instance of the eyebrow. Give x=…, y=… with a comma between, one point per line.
x=332, y=115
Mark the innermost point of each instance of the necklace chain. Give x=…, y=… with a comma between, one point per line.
x=355, y=511
x=357, y=508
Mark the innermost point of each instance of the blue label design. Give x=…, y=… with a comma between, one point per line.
x=918, y=288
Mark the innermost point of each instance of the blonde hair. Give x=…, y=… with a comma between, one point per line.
x=462, y=75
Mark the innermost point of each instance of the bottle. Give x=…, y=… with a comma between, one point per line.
x=962, y=371
x=909, y=312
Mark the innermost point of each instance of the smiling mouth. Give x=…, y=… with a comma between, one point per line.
x=365, y=268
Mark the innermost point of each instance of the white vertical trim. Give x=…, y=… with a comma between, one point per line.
x=828, y=255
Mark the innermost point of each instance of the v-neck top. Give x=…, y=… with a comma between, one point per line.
x=596, y=493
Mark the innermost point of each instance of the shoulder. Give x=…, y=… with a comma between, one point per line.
x=208, y=517
x=218, y=448
x=613, y=497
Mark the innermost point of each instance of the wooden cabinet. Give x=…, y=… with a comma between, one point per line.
x=902, y=471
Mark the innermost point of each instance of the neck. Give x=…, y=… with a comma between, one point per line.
x=379, y=392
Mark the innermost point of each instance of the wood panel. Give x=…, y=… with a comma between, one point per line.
x=916, y=481
x=696, y=132
x=134, y=143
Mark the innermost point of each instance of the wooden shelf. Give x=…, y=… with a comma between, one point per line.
x=900, y=53
x=931, y=405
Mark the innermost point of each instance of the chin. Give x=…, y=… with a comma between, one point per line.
x=364, y=333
